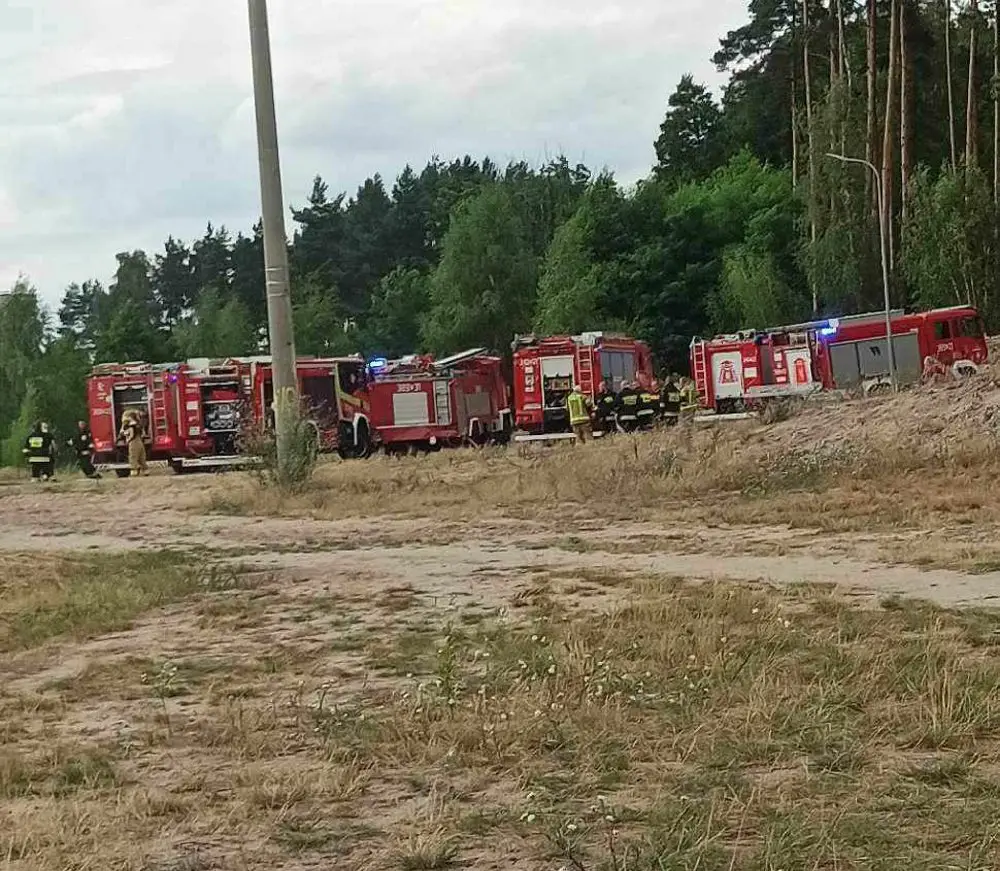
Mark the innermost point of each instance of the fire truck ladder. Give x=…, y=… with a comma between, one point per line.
x=160, y=426
x=700, y=373
x=585, y=366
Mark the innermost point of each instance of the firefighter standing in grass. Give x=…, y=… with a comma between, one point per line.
x=39, y=450
x=649, y=406
x=579, y=414
x=83, y=446
x=670, y=401
x=132, y=433
x=606, y=408
x=627, y=407
x=689, y=396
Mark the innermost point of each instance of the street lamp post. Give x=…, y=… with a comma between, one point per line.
x=884, y=252
x=279, y=299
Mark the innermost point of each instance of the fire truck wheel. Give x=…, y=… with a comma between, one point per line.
x=964, y=369
x=477, y=435
x=363, y=442
x=123, y=473
x=177, y=467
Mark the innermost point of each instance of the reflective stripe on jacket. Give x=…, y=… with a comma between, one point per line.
x=577, y=407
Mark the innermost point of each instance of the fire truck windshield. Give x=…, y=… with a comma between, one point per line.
x=972, y=328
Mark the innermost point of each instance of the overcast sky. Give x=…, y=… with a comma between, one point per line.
x=125, y=121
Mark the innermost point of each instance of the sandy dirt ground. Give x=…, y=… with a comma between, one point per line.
x=480, y=557
x=315, y=598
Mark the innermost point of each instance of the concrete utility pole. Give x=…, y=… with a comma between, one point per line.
x=279, y=298
x=884, y=245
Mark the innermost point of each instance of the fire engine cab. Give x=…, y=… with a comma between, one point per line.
x=423, y=403
x=735, y=372
x=547, y=369
x=194, y=413
x=113, y=389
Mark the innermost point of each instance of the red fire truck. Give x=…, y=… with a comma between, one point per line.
x=195, y=412
x=738, y=371
x=418, y=402
x=115, y=388
x=546, y=370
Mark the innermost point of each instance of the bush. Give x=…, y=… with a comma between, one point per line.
x=304, y=449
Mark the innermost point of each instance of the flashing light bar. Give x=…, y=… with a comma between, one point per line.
x=378, y=364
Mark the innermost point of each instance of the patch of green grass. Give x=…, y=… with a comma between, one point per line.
x=58, y=771
x=428, y=852
x=411, y=651
x=90, y=596
x=298, y=836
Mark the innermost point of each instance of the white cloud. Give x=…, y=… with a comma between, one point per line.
x=122, y=122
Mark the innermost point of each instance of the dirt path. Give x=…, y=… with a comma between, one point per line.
x=481, y=558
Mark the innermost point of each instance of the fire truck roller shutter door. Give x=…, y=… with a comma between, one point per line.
x=874, y=358
x=410, y=409
x=798, y=363
x=844, y=363
x=727, y=374
x=557, y=367
x=909, y=363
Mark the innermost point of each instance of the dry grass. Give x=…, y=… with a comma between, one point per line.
x=714, y=475
x=578, y=718
x=696, y=726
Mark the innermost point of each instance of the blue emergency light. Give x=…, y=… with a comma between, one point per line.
x=831, y=327
x=378, y=364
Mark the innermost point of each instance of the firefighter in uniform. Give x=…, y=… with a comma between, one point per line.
x=579, y=414
x=606, y=408
x=627, y=407
x=649, y=406
x=132, y=434
x=83, y=446
x=689, y=397
x=39, y=450
x=670, y=401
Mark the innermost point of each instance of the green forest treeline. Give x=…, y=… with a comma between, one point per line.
x=742, y=221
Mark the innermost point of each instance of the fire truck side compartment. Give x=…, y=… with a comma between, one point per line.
x=854, y=362
x=410, y=409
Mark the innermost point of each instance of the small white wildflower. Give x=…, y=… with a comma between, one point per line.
x=552, y=669
x=755, y=611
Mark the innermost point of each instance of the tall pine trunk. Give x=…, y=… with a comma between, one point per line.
x=996, y=104
x=905, y=108
x=810, y=138
x=842, y=64
x=971, y=105
x=795, y=129
x=951, y=83
x=872, y=73
x=887, y=135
